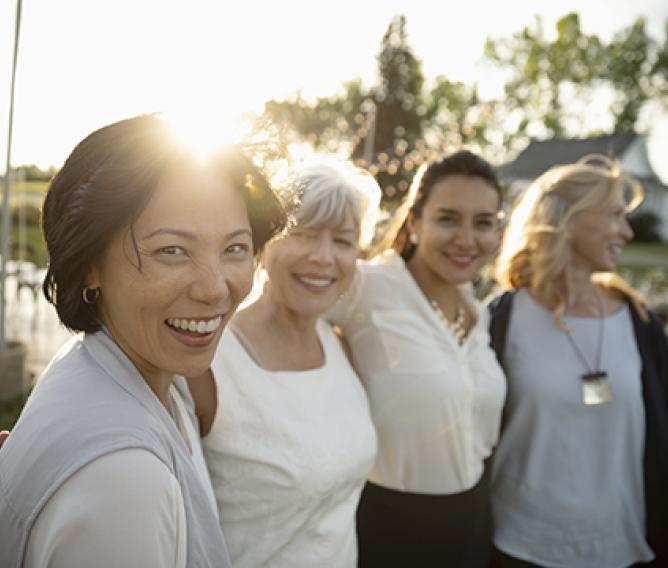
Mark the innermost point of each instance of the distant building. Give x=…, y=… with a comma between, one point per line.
x=630, y=149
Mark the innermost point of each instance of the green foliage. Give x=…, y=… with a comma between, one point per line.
x=545, y=76
x=398, y=123
x=645, y=225
x=9, y=412
x=31, y=172
x=395, y=125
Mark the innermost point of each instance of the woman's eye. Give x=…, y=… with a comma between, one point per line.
x=485, y=224
x=302, y=234
x=344, y=242
x=238, y=249
x=172, y=251
x=446, y=220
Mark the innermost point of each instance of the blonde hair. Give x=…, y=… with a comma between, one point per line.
x=534, y=250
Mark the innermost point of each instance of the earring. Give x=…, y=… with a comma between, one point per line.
x=413, y=239
x=90, y=295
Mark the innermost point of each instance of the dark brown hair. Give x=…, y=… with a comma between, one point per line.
x=462, y=163
x=104, y=185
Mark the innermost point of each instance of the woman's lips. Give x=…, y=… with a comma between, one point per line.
x=194, y=332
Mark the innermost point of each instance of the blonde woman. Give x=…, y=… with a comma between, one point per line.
x=579, y=476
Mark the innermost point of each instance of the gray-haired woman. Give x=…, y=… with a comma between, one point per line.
x=290, y=442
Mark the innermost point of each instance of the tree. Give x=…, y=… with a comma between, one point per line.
x=546, y=77
x=393, y=126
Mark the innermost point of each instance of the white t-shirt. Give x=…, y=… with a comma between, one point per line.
x=288, y=454
x=122, y=509
x=436, y=405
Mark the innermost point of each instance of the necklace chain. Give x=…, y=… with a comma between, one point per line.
x=456, y=327
x=599, y=346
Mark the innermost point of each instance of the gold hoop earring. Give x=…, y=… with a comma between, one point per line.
x=86, y=294
x=413, y=239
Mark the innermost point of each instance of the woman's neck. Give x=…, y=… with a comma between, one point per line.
x=445, y=294
x=278, y=338
x=582, y=297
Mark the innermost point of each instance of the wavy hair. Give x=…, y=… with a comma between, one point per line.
x=534, y=249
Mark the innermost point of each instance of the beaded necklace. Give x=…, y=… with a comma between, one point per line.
x=456, y=327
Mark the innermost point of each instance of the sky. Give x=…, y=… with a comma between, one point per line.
x=85, y=63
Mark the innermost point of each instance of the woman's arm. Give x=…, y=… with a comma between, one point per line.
x=123, y=509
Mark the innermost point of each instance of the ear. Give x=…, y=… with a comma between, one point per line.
x=412, y=223
x=92, y=279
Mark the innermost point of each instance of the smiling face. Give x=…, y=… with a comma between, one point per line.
x=310, y=268
x=194, y=242
x=457, y=231
x=597, y=237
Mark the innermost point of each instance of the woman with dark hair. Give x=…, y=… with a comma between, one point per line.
x=420, y=344
x=581, y=470
x=151, y=251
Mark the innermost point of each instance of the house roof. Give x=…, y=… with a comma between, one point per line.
x=540, y=155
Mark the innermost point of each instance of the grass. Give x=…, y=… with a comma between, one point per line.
x=9, y=412
x=35, y=187
x=35, y=248
x=654, y=250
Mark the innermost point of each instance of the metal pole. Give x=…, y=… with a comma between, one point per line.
x=370, y=139
x=4, y=228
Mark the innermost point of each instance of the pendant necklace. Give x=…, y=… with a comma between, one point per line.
x=457, y=327
x=595, y=386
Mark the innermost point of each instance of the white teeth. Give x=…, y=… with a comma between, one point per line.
x=195, y=326
x=316, y=281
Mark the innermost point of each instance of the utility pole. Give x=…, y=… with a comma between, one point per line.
x=6, y=219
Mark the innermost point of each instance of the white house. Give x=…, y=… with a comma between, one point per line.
x=629, y=149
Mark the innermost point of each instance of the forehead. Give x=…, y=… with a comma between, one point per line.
x=463, y=193
x=339, y=221
x=609, y=198
x=193, y=195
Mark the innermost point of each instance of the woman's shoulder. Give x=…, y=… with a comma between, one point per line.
x=126, y=492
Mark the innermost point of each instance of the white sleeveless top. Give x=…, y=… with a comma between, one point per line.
x=288, y=453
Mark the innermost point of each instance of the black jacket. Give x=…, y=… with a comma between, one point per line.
x=653, y=349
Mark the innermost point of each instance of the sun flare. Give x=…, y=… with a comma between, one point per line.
x=203, y=131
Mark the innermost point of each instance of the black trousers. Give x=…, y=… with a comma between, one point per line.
x=396, y=529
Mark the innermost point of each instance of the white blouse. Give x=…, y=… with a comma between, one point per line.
x=436, y=405
x=288, y=454
x=141, y=505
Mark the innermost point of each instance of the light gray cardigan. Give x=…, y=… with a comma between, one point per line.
x=89, y=402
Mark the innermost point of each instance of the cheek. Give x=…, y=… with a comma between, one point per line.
x=241, y=279
x=489, y=242
x=348, y=264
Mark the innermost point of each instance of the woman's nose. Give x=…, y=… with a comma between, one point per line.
x=464, y=236
x=322, y=250
x=211, y=283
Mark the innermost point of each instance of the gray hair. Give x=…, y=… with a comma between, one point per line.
x=330, y=190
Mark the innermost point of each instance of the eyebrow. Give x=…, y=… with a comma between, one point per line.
x=191, y=236
x=457, y=212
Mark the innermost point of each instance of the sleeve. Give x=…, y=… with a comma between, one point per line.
x=123, y=509
x=342, y=311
